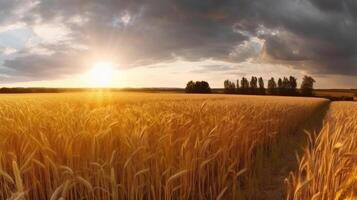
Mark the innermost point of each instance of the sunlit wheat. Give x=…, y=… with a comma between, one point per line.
x=328, y=168
x=142, y=146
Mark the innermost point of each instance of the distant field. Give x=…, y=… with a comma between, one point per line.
x=332, y=94
x=148, y=146
x=337, y=94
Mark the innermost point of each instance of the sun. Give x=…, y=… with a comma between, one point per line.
x=102, y=74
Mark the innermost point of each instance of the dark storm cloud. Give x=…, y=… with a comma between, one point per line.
x=336, y=6
x=6, y=9
x=319, y=34
x=313, y=35
x=43, y=66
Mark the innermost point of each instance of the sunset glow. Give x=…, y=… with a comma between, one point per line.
x=101, y=74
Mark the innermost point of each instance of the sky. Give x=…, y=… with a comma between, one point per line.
x=166, y=43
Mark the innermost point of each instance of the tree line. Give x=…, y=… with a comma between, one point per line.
x=197, y=87
x=286, y=86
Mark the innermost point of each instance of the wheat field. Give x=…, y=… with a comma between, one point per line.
x=155, y=146
x=328, y=168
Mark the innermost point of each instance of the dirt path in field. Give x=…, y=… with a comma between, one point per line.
x=273, y=186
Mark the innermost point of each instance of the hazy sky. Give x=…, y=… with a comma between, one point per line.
x=165, y=43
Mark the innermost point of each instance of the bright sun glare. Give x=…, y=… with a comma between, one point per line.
x=101, y=74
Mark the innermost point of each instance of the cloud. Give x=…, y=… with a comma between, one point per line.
x=315, y=36
x=52, y=33
x=7, y=51
x=10, y=27
x=58, y=65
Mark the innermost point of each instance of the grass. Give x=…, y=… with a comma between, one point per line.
x=142, y=146
x=328, y=168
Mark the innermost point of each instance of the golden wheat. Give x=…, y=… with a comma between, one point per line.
x=140, y=146
x=328, y=168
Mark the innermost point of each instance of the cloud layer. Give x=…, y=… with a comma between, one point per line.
x=317, y=36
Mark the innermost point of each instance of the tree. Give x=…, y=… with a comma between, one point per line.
x=244, y=86
x=237, y=87
x=293, y=85
x=286, y=86
x=190, y=87
x=253, y=85
x=272, y=86
x=307, y=86
x=261, y=86
x=229, y=87
x=203, y=87
x=197, y=87
x=280, y=86
x=254, y=82
x=284, y=90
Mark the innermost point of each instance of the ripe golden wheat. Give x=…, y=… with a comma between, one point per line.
x=328, y=168
x=140, y=146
